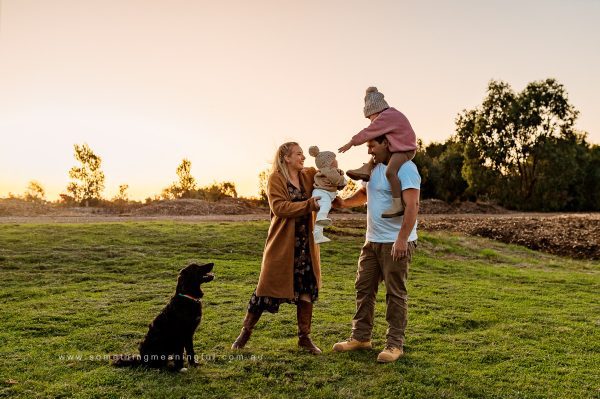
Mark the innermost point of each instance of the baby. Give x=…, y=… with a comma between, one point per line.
x=400, y=137
x=328, y=180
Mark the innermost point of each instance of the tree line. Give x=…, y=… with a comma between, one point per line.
x=87, y=185
x=518, y=149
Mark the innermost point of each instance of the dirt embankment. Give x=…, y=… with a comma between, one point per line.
x=181, y=207
x=195, y=207
x=574, y=235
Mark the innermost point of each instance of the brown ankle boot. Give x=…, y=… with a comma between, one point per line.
x=249, y=322
x=363, y=173
x=304, y=315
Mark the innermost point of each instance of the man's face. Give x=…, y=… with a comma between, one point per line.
x=379, y=151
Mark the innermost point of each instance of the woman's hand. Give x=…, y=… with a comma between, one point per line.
x=314, y=203
x=345, y=147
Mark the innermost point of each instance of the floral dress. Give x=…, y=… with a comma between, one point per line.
x=304, y=278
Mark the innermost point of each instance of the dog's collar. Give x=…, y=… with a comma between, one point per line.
x=197, y=300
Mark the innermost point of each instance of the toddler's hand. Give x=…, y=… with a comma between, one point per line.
x=345, y=147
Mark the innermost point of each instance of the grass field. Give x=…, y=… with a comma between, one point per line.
x=486, y=319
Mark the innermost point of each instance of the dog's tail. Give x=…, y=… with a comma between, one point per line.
x=125, y=360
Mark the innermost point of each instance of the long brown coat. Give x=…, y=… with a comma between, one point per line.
x=277, y=271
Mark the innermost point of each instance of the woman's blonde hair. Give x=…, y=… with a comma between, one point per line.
x=279, y=161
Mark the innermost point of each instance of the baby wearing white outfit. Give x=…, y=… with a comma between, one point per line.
x=328, y=180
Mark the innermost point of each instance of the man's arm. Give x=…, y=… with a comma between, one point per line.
x=359, y=198
x=411, y=209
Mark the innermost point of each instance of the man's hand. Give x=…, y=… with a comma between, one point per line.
x=345, y=147
x=337, y=203
x=399, y=249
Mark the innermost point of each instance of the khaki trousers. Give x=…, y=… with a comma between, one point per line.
x=375, y=264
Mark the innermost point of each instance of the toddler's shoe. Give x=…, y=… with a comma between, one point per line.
x=319, y=237
x=363, y=173
x=323, y=222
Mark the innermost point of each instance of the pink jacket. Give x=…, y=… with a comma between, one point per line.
x=396, y=128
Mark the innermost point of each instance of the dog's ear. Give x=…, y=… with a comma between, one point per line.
x=182, y=278
x=180, y=282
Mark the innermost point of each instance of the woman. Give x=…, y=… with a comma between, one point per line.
x=290, y=271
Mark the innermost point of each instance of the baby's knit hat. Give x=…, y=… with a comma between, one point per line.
x=374, y=102
x=323, y=159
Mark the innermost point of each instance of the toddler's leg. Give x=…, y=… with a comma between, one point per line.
x=318, y=233
x=391, y=172
x=324, y=207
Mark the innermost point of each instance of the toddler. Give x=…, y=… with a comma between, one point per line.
x=402, y=144
x=328, y=180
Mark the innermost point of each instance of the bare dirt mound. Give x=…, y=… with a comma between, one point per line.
x=574, y=235
x=190, y=207
x=18, y=207
x=15, y=207
x=436, y=206
x=196, y=207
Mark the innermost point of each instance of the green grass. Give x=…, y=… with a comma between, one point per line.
x=486, y=320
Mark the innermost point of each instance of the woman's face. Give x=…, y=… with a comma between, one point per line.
x=295, y=159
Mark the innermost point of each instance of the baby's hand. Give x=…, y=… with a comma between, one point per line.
x=345, y=147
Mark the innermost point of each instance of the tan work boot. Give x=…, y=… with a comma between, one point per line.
x=249, y=322
x=397, y=209
x=352, y=345
x=363, y=173
x=390, y=354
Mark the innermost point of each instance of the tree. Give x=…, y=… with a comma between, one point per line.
x=440, y=166
x=564, y=181
x=187, y=182
x=483, y=182
x=35, y=192
x=263, y=180
x=591, y=193
x=425, y=164
x=217, y=191
x=449, y=184
x=186, y=185
x=122, y=196
x=503, y=135
x=89, y=179
x=228, y=189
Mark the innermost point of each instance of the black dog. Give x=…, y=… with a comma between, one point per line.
x=173, y=329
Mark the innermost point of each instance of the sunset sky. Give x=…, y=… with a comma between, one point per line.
x=223, y=83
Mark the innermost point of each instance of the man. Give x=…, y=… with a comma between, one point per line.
x=385, y=255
